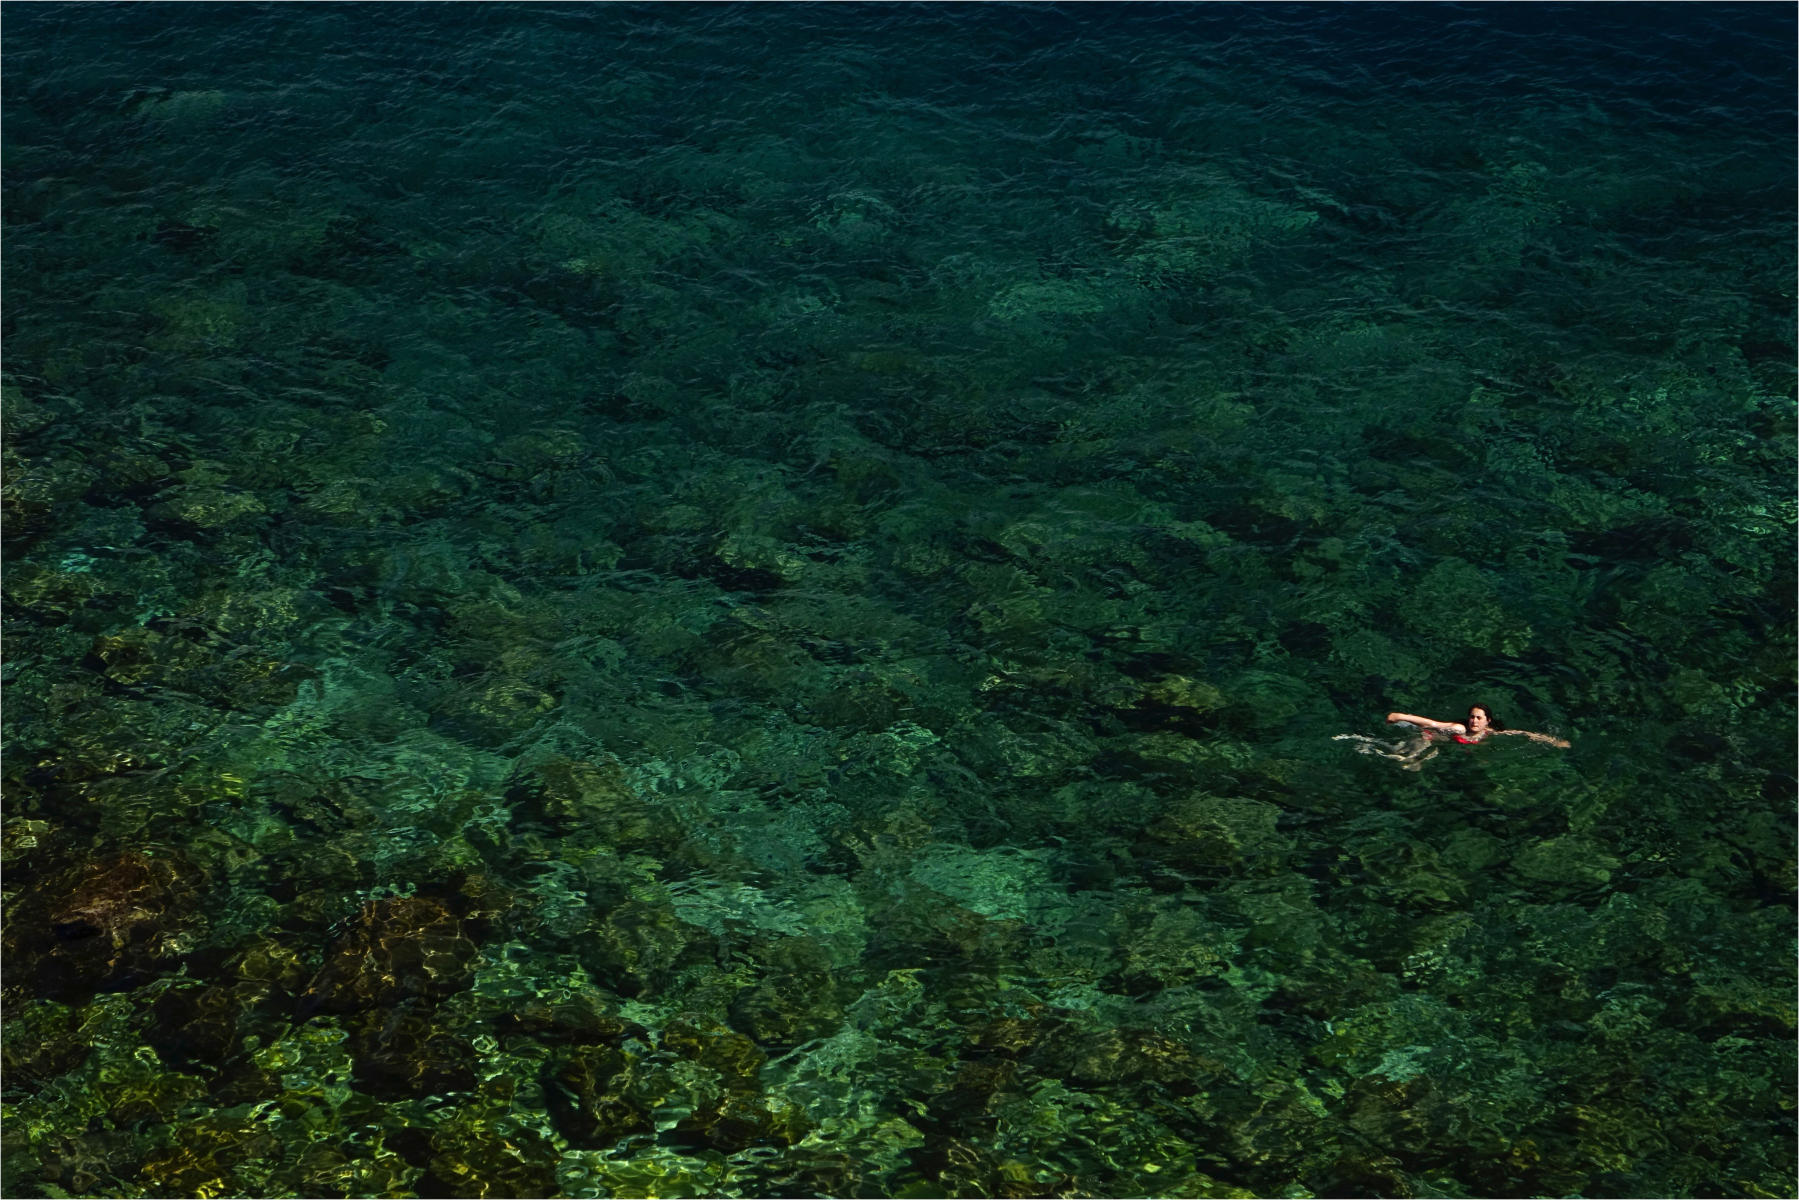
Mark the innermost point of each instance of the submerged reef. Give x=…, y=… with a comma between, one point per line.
x=614, y=624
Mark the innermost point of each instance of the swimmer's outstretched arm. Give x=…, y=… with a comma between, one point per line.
x=1546, y=739
x=1446, y=726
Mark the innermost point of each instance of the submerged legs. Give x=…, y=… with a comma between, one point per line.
x=1411, y=753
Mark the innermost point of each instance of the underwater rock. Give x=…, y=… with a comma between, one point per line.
x=107, y=923
x=1205, y=834
x=183, y=237
x=351, y=502
x=240, y=612
x=23, y=840
x=198, y=1026
x=149, y=1095
x=70, y=1161
x=958, y=1167
x=494, y=711
x=1178, y=757
x=402, y=1051
x=1333, y=984
x=578, y=1021
x=322, y=1169
x=1175, y=945
x=40, y=1040
x=226, y=676
x=1181, y=692
x=270, y=965
x=138, y=656
x=181, y=109
x=546, y=464
x=102, y=775
x=246, y=1084
x=938, y=930
x=978, y=1090
x=1020, y=1034
x=1457, y=604
x=204, y=1156
x=786, y=1008
x=637, y=948
x=596, y=797
x=131, y=474
x=768, y=664
x=586, y=1090
x=1113, y=1056
x=718, y=1047
x=36, y=495
x=1038, y=299
x=859, y=702
x=21, y=414
x=1360, y=1173
x=1391, y=1113
x=1173, y=704
x=49, y=592
x=1572, y=861
x=396, y=948
x=472, y=1155
x=741, y=1119
x=703, y=1070
x=795, y=996
x=205, y=506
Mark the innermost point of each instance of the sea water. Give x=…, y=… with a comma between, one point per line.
x=714, y=600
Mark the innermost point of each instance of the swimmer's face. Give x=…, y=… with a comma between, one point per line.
x=1477, y=720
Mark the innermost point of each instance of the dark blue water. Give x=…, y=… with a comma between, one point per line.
x=710, y=600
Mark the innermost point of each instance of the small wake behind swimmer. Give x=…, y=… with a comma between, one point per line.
x=1421, y=737
x=1409, y=752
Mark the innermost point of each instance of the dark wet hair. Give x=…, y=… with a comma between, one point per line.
x=1493, y=722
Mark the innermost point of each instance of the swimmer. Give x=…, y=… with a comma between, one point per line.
x=1481, y=724
x=1414, y=752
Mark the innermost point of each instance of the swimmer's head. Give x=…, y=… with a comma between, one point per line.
x=1482, y=720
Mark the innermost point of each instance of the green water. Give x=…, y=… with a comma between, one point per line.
x=699, y=600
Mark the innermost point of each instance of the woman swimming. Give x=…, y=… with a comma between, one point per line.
x=1414, y=752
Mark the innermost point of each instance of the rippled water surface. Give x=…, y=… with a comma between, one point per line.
x=708, y=600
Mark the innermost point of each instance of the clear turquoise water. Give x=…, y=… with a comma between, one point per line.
x=707, y=600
